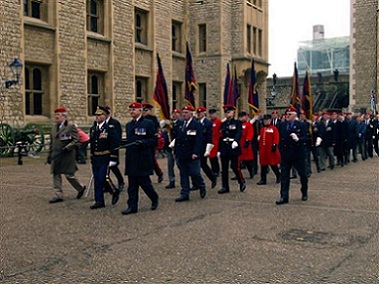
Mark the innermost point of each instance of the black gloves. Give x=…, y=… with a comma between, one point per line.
x=274, y=147
x=247, y=144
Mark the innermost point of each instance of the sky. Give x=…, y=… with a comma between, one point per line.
x=292, y=21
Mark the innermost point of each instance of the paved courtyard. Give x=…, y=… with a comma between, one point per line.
x=232, y=238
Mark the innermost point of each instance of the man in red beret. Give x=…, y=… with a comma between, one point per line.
x=139, y=158
x=188, y=144
x=293, y=136
x=148, y=115
x=62, y=154
x=230, y=149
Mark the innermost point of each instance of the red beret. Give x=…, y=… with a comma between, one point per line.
x=189, y=108
x=135, y=105
x=176, y=111
x=147, y=105
x=60, y=109
x=229, y=107
x=275, y=112
x=201, y=109
x=291, y=108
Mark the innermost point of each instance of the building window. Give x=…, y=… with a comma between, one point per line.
x=141, y=89
x=203, y=94
x=202, y=38
x=95, y=91
x=254, y=40
x=176, y=38
x=141, y=26
x=176, y=92
x=35, y=9
x=260, y=42
x=248, y=38
x=36, y=84
x=95, y=18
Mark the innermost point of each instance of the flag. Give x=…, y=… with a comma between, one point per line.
x=373, y=102
x=190, y=86
x=160, y=92
x=307, y=102
x=235, y=92
x=295, y=95
x=227, y=86
x=253, y=99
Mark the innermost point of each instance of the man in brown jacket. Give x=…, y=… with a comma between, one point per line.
x=63, y=141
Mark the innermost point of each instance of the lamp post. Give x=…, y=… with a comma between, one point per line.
x=16, y=67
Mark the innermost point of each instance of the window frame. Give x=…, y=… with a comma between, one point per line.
x=31, y=92
x=141, y=89
x=100, y=22
x=248, y=38
x=141, y=27
x=176, y=39
x=100, y=95
x=42, y=9
x=202, y=87
x=202, y=36
x=176, y=94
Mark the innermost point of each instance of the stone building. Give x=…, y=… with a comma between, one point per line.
x=79, y=54
x=363, y=53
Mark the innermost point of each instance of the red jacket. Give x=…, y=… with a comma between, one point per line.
x=216, y=125
x=246, y=148
x=269, y=136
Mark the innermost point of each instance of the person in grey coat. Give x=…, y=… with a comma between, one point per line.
x=62, y=156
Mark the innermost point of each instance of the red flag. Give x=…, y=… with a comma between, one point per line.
x=190, y=86
x=160, y=92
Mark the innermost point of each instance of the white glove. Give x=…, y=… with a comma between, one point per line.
x=112, y=164
x=172, y=144
x=224, y=119
x=294, y=137
x=218, y=154
x=318, y=141
x=208, y=149
x=234, y=145
x=259, y=137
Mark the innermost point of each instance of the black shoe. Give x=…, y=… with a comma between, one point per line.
x=261, y=182
x=203, y=193
x=281, y=201
x=160, y=178
x=115, y=197
x=121, y=187
x=234, y=178
x=214, y=183
x=97, y=205
x=182, y=198
x=215, y=175
x=331, y=167
x=223, y=190
x=278, y=179
x=81, y=192
x=128, y=211
x=293, y=177
x=154, y=204
x=318, y=170
x=56, y=200
x=304, y=198
x=251, y=174
x=243, y=186
x=194, y=188
x=170, y=185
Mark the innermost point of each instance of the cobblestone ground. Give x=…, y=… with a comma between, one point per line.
x=232, y=238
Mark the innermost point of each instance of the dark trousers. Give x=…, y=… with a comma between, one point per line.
x=116, y=171
x=369, y=147
x=316, y=156
x=99, y=172
x=133, y=187
x=362, y=149
x=235, y=165
x=274, y=168
x=285, y=168
x=255, y=153
x=215, y=165
x=206, y=169
x=376, y=146
x=189, y=168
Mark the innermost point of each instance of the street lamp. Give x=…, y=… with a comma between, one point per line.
x=16, y=67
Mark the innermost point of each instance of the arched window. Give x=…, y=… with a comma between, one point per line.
x=95, y=18
x=95, y=91
x=35, y=84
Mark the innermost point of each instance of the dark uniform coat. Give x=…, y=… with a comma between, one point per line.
x=139, y=158
x=189, y=140
x=117, y=126
x=206, y=133
x=104, y=142
x=66, y=137
x=290, y=149
x=231, y=129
